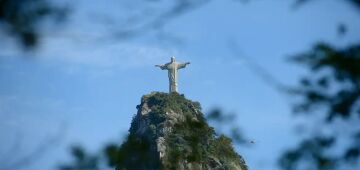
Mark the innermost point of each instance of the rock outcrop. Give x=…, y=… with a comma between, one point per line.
x=170, y=132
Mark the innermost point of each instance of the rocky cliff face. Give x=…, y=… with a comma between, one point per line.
x=170, y=132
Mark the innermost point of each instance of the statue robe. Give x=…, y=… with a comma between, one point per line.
x=172, y=68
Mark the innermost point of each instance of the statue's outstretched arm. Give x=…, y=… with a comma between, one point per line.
x=183, y=65
x=163, y=67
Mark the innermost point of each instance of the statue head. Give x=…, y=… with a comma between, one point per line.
x=173, y=59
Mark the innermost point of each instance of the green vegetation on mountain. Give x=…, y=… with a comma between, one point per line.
x=174, y=126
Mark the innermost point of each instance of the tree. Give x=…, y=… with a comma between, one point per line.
x=22, y=18
x=332, y=87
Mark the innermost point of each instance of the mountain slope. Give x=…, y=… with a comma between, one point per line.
x=170, y=132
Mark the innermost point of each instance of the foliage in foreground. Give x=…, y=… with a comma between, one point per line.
x=333, y=88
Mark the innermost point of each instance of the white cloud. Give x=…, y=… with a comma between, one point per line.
x=116, y=55
x=73, y=54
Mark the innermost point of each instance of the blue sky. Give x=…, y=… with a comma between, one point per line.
x=83, y=85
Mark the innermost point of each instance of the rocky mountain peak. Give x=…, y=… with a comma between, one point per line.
x=170, y=132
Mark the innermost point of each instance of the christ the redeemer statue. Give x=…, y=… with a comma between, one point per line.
x=172, y=68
